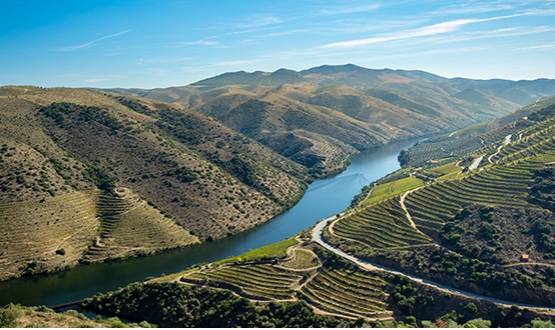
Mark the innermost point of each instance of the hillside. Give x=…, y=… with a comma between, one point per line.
x=319, y=116
x=484, y=227
x=480, y=221
x=296, y=283
x=86, y=177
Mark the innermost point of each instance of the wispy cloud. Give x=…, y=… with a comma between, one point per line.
x=406, y=34
x=345, y=9
x=87, y=44
x=260, y=20
x=499, y=33
x=429, y=30
x=542, y=47
x=199, y=42
x=474, y=8
x=251, y=31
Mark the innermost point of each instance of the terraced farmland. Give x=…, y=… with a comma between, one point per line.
x=442, y=147
x=383, y=225
x=46, y=235
x=504, y=186
x=352, y=293
x=131, y=226
x=258, y=281
x=301, y=259
x=504, y=183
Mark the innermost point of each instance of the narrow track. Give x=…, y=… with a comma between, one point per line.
x=317, y=237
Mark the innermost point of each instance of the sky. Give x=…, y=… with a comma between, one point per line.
x=162, y=43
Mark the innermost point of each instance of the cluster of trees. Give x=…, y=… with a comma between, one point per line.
x=63, y=113
x=542, y=191
x=176, y=305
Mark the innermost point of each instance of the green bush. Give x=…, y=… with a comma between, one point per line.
x=471, y=307
x=8, y=315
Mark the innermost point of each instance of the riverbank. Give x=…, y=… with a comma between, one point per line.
x=322, y=198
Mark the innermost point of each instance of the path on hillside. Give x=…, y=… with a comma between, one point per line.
x=317, y=237
x=506, y=142
x=409, y=218
x=475, y=163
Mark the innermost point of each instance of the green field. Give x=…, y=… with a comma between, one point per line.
x=275, y=250
x=391, y=189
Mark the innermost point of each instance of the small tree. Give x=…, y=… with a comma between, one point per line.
x=471, y=307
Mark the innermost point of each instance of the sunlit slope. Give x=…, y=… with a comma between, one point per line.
x=484, y=215
x=133, y=177
x=314, y=117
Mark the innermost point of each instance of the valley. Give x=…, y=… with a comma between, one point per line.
x=96, y=176
x=460, y=240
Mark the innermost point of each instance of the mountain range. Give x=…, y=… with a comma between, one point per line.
x=317, y=116
x=88, y=176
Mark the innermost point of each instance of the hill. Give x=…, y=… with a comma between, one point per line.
x=297, y=283
x=479, y=224
x=482, y=213
x=317, y=117
x=87, y=177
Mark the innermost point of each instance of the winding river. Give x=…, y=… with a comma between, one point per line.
x=322, y=199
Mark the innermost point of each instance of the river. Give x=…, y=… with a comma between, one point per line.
x=322, y=199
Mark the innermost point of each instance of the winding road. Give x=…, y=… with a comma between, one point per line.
x=317, y=237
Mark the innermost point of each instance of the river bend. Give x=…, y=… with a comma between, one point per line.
x=322, y=199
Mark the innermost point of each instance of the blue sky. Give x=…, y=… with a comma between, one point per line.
x=157, y=43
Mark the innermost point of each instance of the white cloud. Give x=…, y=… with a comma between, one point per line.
x=474, y=8
x=199, y=42
x=251, y=31
x=541, y=47
x=260, y=20
x=506, y=32
x=430, y=30
x=76, y=47
x=337, y=10
x=406, y=34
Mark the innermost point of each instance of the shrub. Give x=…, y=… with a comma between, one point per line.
x=8, y=315
x=471, y=307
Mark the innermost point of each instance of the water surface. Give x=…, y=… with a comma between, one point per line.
x=322, y=199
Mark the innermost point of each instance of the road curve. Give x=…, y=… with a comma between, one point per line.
x=317, y=237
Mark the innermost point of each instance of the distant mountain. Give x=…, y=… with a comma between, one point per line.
x=328, y=112
x=281, y=76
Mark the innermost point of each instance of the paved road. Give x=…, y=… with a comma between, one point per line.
x=317, y=237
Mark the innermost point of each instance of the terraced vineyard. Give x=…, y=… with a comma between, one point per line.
x=300, y=260
x=383, y=225
x=131, y=226
x=352, y=293
x=347, y=291
x=258, y=281
x=49, y=234
x=442, y=147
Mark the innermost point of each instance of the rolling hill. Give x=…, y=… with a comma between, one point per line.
x=317, y=116
x=87, y=177
x=478, y=217
x=486, y=229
